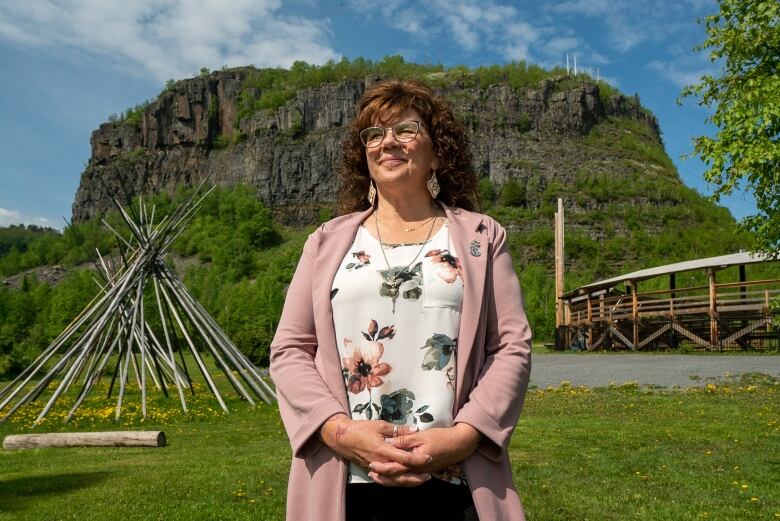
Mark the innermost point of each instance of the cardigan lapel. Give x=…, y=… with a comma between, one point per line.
x=333, y=245
x=473, y=249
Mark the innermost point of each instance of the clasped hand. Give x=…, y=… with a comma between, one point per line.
x=398, y=456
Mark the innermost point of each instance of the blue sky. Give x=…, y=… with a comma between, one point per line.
x=68, y=64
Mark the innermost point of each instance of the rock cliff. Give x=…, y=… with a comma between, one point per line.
x=290, y=153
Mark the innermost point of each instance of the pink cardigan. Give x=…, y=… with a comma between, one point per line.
x=493, y=362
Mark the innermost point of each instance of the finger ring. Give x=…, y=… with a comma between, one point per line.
x=395, y=430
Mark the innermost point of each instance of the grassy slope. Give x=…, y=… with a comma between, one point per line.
x=604, y=454
x=626, y=209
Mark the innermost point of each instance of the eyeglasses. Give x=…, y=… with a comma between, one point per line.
x=403, y=132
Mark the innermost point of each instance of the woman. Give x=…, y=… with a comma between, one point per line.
x=403, y=353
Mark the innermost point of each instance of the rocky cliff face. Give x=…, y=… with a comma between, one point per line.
x=290, y=154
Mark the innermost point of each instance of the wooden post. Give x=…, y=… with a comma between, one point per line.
x=742, y=280
x=601, y=306
x=560, y=318
x=742, y=289
x=634, y=312
x=767, y=311
x=86, y=439
x=590, y=321
x=714, y=339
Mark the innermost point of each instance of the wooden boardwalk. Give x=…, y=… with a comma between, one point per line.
x=716, y=317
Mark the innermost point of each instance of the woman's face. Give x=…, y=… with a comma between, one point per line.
x=405, y=165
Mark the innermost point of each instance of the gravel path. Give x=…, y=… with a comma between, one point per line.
x=599, y=370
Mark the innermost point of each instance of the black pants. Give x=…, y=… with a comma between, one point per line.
x=435, y=500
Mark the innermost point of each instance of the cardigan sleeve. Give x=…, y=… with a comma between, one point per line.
x=305, y=401
x=494, y=404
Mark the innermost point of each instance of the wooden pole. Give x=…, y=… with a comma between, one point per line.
x=634, y=312
x=560, y=318
x=742, y=279
x=86, y=439
x=714, y=340
x=601, y=306
x=590, y=321
x=558, y=303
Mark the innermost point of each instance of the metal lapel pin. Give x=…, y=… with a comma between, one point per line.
x=475, y=251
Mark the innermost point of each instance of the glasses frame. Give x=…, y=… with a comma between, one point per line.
x=392, y=131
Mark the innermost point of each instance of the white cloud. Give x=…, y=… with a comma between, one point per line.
x=9, y=217
x=612, y=81
x=628, y=23
x=583, y=7
x=518, y=52
x=487, y=26
x=598, y=58
x=561, y=45
x=678, y=73
x=490, y=27
x=170, y=38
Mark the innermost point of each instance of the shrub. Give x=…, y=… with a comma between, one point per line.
x=513, y=194
x=487, y=192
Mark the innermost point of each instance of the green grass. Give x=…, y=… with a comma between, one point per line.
x=600, y=454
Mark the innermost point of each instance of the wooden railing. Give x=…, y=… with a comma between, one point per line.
x=725, y=298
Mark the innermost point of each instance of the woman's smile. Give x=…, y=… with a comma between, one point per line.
x=391, y=160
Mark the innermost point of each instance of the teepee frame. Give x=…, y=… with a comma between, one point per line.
x=114, y=323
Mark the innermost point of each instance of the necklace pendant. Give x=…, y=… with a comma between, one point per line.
x=392, y=288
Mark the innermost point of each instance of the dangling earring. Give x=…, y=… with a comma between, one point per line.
x=433, y=185
x=371, y=193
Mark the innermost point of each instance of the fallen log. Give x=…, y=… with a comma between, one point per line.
x=86, y=439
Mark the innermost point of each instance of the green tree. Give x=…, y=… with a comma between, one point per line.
x=513, y=194
x=487, y=192
x=744, y=37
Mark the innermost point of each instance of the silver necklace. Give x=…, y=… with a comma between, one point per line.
x=392, y=279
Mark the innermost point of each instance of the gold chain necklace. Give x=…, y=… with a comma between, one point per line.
x=392, y=279
x=410, y=229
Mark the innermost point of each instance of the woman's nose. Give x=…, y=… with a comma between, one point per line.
x=389, y=137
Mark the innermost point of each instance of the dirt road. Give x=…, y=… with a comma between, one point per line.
x=599, y=370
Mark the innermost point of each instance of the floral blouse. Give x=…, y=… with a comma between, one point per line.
x=397, y=344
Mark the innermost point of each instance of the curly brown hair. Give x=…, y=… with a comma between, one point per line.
x=387, y=101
